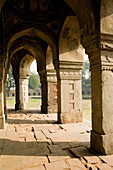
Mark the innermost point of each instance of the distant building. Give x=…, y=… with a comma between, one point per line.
x=37, y=92
x=86, y=91
x=31, y=92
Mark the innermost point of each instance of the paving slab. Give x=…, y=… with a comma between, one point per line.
x=107, y=159
x=59, y=165
x=35, y=168
x=104, y=166
x=54, y=148
x=58, y=156
x=75, y=163
x=15, y=162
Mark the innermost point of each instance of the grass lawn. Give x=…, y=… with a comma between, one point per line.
x=36, y=103
x=86, y=107
x=33, y=103
x=11, y=103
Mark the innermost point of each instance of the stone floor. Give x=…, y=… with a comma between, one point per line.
x=34, y=141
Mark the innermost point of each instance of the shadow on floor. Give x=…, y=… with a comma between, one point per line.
x=34, y=111
x=38, y=148
x=20, y=121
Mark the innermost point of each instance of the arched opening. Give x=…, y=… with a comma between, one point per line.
x=34, y=88
x=10, y=89
x=86, y=89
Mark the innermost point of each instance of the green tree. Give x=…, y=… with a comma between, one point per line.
x=86, y=75
x=10, y=80
x=34, y=81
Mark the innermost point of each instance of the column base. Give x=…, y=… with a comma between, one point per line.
x=18, y=107
x=52, y=109
x=70, y=117
x=102, y=144
x=2, y=122
x=23, y=106
x=5, y=113
x=44, y=109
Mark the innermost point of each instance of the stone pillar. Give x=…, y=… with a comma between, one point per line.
x=102, y=101
x=100, y=53
x=17, y=92
x=43, y=78
x=5, y=99
x=52, y=91
x=23, y=85
x=2, y=119
x=70, y=92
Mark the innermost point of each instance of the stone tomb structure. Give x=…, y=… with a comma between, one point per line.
x=54, y=32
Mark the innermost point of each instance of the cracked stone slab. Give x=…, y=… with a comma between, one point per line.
x=54, y=148
x=64, y=145
x=104, y=166
x=35, y=168
x=75, y=163
x=59, y=165
x=108, y=159
x=83, y=152
x=15, y=162
x=58, y=156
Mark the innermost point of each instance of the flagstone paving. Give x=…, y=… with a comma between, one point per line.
x=34, y=141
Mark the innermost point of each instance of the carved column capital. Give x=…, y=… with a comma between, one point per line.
x=51, y=76
x=100, y=52
x=70, y=70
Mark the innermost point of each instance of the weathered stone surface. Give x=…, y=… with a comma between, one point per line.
x=92, y=159
x=104, y=166
x=35, y=168
x=75, y=163
x=58, y=156
x=54, y=148
x=15, y=162
x=90, y=166
x=0, y=151
x=83, y=152
x=57, y=165
x=39, y=135
x=64, y=145
x=108, y=159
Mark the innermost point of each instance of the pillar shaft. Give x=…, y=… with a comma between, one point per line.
x=17, y=92
x=43, y=78
x=2, y=119
x=5, y=100
x=102, y=104
x=70, y=92
x=23, y=85
x=52, y=91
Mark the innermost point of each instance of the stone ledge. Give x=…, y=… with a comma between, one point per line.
x=102, y=144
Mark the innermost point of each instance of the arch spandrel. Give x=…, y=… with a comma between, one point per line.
x=106, y=15
x=70, y=48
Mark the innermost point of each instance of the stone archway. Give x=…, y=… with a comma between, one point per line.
x=23, y=72
x=71, y=61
